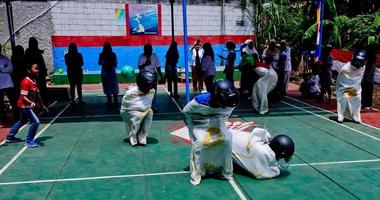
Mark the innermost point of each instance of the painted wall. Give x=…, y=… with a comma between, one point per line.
x=91, y=23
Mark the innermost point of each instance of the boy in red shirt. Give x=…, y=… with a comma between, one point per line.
x=27, y=101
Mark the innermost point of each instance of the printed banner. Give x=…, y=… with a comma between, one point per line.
x=143, y=19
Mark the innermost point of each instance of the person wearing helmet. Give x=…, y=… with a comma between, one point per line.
x=260, y=154
x=136, y=108
x=348, y=86
x=211, y=151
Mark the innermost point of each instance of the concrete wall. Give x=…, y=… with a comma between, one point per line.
x=86, y=18
x=41, y=28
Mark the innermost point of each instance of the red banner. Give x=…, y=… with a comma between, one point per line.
x=345, y=56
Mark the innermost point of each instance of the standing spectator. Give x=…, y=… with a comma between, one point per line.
x=196, y=67
x=172, y=57
x=19, y=68
x=231, y=57
x=6, y=86
x=272, y=55
x=149, y=61
x=368, y=78
x=285, y=67
x=108, y=61
x=248, y=76
x=208, y=66
x=74, y=63
x=326, y=73
x=34, y=55
x=27, y=101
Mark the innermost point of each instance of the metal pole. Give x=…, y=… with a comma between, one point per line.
x=172, y=15
x=186, y=49
x=10, y=23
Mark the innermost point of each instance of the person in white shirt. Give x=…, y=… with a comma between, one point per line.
x=348, y=86
x=136, y=108
x=196, y=66
x=285, y=68
x=149, y=61
x=6, y=86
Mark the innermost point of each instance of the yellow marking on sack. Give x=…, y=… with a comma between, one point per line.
x=348, y=93
x=213, y=137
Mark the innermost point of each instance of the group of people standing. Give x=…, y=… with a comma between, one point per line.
x=13, y=71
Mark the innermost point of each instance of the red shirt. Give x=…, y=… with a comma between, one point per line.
x=29, y=89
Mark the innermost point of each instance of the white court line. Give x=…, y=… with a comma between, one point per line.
x=337, y=162
x=237, y=189
x=329, y=111
x=320, y=116
x=232, y=180
x=100, y=116
x=179, y=107
x=24, y=148
x=91, y=178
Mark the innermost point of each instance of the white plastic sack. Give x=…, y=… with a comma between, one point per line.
x=261, y=89
x=137, y=114
x=348, y=92
x=252, y=152
x=211, y=151
x=261, y=71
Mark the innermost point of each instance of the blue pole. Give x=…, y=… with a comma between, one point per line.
x=319, y=47
x=186, y=49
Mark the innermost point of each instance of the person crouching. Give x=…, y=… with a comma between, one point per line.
x=205, y=116
x=260, y=154
x=136, y=108
x=348, y=87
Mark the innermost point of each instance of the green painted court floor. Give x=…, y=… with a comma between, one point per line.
x=83, y=156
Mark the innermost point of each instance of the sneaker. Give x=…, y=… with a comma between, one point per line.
x=31, y=144
x=13, y=139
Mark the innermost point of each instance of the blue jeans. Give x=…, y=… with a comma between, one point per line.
x=26, y=114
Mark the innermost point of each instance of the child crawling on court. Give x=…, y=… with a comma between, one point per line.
x=136, y=108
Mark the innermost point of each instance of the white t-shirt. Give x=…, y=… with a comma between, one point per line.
x=154, y=62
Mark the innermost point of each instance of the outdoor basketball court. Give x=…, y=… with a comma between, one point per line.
x=83, y=156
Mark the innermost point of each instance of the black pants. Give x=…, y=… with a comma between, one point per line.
x=75, y=80
x=172, y=77
x=367, y=94
x=209, y=82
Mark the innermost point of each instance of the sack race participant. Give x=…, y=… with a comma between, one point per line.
x=260, y=154
x=266, y=83
x=136, y=108
x=205, y=115
x=348, y=87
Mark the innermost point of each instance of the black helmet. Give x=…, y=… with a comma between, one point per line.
x=359, y=58
x=225, y=93
x=145, y=81
x=282, y=146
